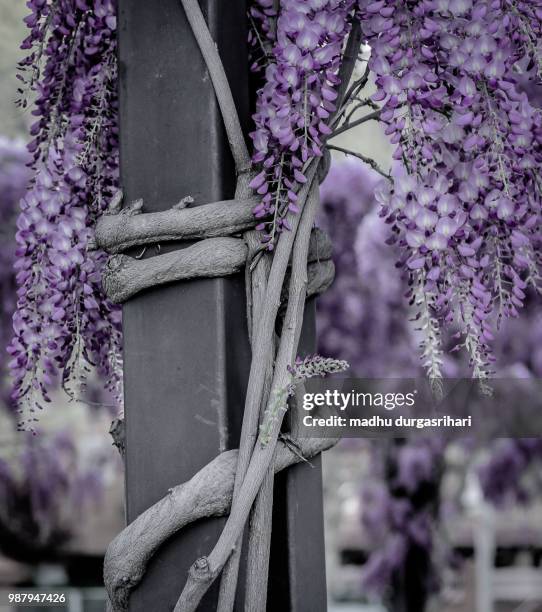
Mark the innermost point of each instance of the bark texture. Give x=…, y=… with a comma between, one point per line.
x=207, y=494
x=125, y=276
x=116, y=233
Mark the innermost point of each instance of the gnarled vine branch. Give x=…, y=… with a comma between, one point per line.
x=125, y=276
x=207, y=494
x=116, y=233
x=262, y=347
x=213, y=63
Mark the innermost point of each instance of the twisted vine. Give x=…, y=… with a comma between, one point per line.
x=300, y=266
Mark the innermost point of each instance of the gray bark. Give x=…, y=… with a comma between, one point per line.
x=116, y=233
x=207, y=494
x=125, y=276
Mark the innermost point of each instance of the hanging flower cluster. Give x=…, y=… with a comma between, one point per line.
x=296, y=100
x=262, y=16
x=466, y=207
x=63, y=322
x=47, y=482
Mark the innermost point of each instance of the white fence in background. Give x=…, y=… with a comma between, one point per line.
x=508, y=584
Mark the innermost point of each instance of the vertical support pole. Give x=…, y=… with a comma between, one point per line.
x=186, y=350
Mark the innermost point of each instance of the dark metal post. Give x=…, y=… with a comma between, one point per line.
x=186, y=351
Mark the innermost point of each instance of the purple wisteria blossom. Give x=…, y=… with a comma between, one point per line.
x=45, y=481
x=465, y=211
x=63, y=322
x=302, y=45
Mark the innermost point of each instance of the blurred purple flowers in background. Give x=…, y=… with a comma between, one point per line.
x=365, y=320
x=14, y=177
x=365, y=305
x=45, y=486
x=507, y=475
